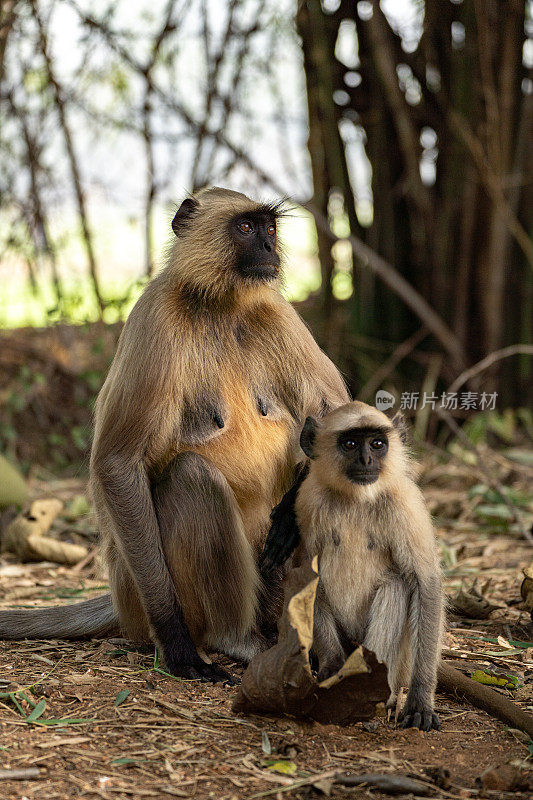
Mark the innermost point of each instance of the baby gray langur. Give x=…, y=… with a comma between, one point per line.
x=360, y=511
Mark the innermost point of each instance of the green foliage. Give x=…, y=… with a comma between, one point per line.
x=495, y=679
x=284, y=767
x=13, y=489
x=76, y=508
x=502, y=424
x=494, y=511
x=35, y=80
x=81, y=436
x=120, y=81
x=37, y=712
x=121, y=697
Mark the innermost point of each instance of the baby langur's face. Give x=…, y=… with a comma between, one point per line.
x=362, y=451
x=354, y=445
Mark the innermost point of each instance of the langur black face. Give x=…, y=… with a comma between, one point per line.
x=363, y=452
x=254, y=237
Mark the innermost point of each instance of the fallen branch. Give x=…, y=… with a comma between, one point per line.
x=383, y=782
x=25, y=536
x=19, y=774
x=497, y=705
x=390, y=784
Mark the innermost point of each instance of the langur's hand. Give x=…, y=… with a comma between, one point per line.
x=284, y=534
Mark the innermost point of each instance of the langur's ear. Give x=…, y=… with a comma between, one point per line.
x=183, y=215
x=307, y=437
x=400, y=424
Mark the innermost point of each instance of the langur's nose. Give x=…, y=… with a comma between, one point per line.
x=365, y=457
x=267, y=247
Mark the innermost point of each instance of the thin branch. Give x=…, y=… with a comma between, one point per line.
x=485, y=57
x=391, y=363
x=213, y=69
x=165, y=30
x=402, y=288
x=7, y=20
x=488, y=361
x=36, y=220
x=72, y=157
x=408, y=139
x=462, y=130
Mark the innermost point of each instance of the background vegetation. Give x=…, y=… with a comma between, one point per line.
x=400, y=129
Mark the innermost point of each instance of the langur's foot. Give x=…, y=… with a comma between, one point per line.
x=419, y=715
x=200, y=671
x=331, y=667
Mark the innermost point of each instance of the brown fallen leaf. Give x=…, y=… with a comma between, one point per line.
x=25, y=536
x=470, y=602
x=280, y=680
x=505, y=778
x=526, y=589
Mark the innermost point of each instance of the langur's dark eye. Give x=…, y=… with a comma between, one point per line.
x=349, y=444
x=271, y=230
x=245, y=227
x=377, y=444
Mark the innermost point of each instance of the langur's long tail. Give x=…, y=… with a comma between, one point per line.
x=95, y=617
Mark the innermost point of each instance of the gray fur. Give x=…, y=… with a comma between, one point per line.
x=386, y=632
x=95, y=617
x=425, y=623
x=327, y=645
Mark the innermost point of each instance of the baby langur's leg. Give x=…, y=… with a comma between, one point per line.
x=327, y=645
x=387, y=634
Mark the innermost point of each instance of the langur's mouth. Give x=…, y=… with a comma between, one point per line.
x=260, y=272
x=363, y=478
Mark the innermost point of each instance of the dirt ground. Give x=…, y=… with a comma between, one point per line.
x=113, y=726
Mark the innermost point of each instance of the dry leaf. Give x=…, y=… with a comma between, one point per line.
x=470, y=602
x=526, y=589
x=280, y=680
x=504, y=778
x=284, y=767
x=81, y=679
